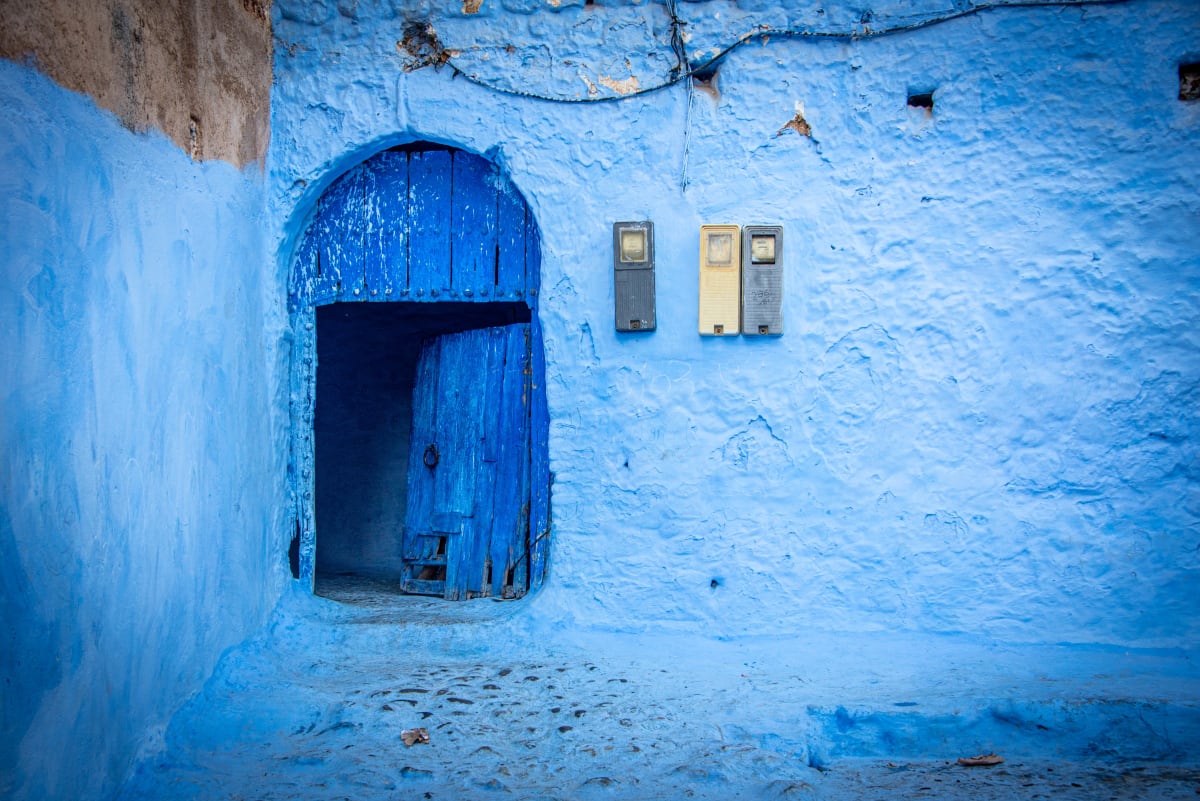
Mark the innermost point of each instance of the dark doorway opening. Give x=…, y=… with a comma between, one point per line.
x=414, y=300
x=367, y=355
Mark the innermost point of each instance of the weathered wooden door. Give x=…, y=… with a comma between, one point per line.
x=467, y=521
x=427, y=225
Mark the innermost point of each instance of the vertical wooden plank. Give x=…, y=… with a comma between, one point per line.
x=430, y=179
x=464, y=363
x=510, y=509
x=492, y=388
x=385, y=235
x=491, y=441
x=340, y=224
x=511, y=234
x=473, y=217
x=421, y=478
x=539, y=471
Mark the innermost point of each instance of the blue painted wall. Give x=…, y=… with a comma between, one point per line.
x=141, y=434
x=983, y=415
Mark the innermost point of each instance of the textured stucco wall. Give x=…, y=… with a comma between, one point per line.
x=198, y=70
x=983, y=415
x=139, y=467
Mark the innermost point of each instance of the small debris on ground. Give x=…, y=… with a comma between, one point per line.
x=981, y=760
x=411, y=736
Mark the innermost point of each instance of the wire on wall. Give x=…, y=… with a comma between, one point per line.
x=683, y=70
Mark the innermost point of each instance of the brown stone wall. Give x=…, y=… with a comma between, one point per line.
x=199, y=70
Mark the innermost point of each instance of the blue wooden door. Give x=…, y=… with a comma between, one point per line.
x=426, y=224
x=467, y=520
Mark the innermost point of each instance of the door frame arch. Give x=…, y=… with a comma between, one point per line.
x=451, y=252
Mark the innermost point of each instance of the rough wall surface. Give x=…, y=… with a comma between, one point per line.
x=983, y=415
x=138, y=470
x=199, y=70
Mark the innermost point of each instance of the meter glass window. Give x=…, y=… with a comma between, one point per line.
x=720, y=250
x=762, y=249
x=633, y=246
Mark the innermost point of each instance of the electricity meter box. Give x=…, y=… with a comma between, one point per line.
x=720, y=280
x=633, y=275
x=762, y=280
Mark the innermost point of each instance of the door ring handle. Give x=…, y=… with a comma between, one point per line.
x=431, y=457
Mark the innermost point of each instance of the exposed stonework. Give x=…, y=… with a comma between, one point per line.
x=199, y=70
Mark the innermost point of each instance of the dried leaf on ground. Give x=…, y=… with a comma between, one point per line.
x=411, y=736
x=981, y=760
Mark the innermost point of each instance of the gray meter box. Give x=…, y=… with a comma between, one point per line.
x=762, y=280
x=633, y=275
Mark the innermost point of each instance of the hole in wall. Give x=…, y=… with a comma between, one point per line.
x=705, y=80
x=421, y=44
x=294, y=552
x=921, y=100
x=195, y=147
x=1189, y=81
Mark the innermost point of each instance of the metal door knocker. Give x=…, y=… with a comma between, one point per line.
x=431, y=456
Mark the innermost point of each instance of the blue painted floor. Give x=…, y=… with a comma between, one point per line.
x=315, y=708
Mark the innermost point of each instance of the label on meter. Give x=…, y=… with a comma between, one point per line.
x=762, y=280
x=720, y=280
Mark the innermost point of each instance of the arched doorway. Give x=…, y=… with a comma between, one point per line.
x=418, y=404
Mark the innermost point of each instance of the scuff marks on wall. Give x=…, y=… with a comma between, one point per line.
x=756, y=447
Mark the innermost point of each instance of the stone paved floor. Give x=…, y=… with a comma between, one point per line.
x=314, y=709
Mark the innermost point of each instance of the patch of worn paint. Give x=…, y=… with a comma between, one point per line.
x=797, y=123
x=624, y=86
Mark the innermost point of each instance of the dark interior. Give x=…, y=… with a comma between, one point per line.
x=366, y=365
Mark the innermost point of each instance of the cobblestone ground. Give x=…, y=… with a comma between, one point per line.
x=316, y=709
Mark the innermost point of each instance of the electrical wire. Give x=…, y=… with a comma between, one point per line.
x=684, y=71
